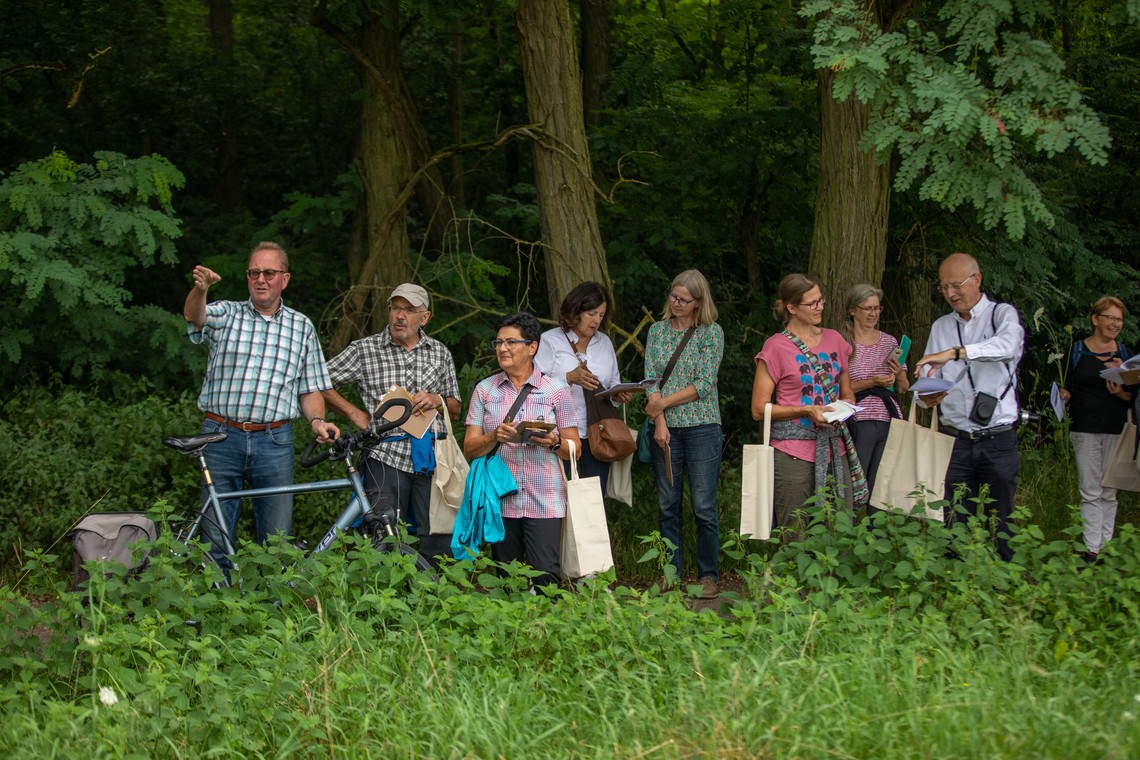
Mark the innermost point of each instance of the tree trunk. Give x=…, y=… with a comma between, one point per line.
x=849, y=239
x=597, y=57
x=383, y=163
x=455, y=96
x=228, y=190
x=574, y=251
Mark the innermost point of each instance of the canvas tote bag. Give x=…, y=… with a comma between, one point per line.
x=585, y=534
x=1122, y=472
x=620, y=484
x=447, y=482
x=914, y=459
x=757, y=485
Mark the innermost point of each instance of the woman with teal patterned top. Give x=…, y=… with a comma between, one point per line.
x=684, y=415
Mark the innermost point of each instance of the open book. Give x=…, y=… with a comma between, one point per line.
x=1127, y=373
x=644, y=385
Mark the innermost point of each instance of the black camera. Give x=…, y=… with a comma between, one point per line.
x=984, y=407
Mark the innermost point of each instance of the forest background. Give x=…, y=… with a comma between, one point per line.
x=499, y=152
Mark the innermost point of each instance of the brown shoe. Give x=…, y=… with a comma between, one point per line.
x=709, y=588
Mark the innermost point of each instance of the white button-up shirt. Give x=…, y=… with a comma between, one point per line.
x=994, y=343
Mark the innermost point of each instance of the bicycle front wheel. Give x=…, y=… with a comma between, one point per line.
x=380, y=545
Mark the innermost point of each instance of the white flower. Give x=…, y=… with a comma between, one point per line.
x=1037, y=317
x=1055, y=357
x=1136, y=698
x=107, y=696
x=91, y=641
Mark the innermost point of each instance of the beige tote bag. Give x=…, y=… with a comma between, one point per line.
x=585, y=534
x=757, y=485
x=447, y=482
x=1123, y=471
x=913, y=469
x=620, y=483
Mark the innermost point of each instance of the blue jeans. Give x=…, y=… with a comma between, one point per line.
x=264, y=459
x=696, y=452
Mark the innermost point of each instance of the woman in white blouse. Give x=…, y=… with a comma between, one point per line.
x=578, y=352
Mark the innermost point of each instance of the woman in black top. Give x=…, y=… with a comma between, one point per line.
x=1098, y=410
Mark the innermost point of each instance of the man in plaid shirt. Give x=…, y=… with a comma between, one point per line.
x=265, y=368
x=402, y=355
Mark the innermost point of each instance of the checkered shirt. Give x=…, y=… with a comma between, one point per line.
x=376, y=363
x=537, y=470
x=258, y=366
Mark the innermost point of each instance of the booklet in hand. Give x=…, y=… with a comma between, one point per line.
x=1127, y=373
x=527, y=429
x=644, y=385
x=841, y=410
x=417, y=424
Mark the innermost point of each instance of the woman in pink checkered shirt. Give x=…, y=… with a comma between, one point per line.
x=532, y=517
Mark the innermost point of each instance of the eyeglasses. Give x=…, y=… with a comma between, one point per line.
x=816, y=304
x=270, y=274
x=402, y=310
x=680, y=301
x=946, y=288
x=1112, y=320
x=510, y=343
x=870, y=309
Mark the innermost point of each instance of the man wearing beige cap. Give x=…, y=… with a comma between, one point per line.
x=403, y=355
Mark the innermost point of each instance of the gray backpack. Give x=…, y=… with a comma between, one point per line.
x=108, y=536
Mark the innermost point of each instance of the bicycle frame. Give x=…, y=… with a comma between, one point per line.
x=212, y=503
x=343, y=449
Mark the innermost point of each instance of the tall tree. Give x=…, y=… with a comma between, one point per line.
x=597, y=57
x=574, y=251
x=394, y=151
x=228, y=190
x=958, y=90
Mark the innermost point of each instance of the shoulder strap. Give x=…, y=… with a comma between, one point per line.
x=673, y=359
x=526, y=389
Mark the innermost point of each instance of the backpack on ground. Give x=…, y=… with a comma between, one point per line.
x=109, y=536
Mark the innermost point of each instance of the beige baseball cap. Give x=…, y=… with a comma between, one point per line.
x=412, y=293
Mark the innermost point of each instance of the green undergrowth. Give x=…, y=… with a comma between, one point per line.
x=857, y=642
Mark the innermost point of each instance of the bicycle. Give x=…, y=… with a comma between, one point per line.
x=378, y=521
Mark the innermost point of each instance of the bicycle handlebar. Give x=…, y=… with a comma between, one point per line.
x=346, y=444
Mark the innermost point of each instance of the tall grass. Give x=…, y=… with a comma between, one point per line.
x=926, y=656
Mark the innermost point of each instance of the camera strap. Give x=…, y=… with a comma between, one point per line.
x=970, y=375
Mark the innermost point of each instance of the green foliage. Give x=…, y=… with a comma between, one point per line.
x=309, y=653
x=64, y=451
x=69, y=234
x=960, y=100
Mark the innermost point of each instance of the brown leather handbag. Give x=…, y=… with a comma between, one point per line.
x=608, y=434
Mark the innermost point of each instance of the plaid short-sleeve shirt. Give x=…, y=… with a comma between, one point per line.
x=376, y=363
x=258, y=366
x=537, y=470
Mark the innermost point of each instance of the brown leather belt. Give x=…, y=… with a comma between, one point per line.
x=249, y=427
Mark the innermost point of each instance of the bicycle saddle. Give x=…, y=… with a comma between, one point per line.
x=191, y=444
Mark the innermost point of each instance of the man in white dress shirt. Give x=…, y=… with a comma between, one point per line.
x=978, y=346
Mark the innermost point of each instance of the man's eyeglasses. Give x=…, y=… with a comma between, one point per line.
x=947, y=287
x=270, y=274
x=1112, y=320
x=402, y=310
x=680, y=301
x=870, y=309
x=510, y=343
x=816, y=304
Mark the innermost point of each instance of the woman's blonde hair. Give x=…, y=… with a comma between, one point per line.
x=698, y=287
x=1107, y=302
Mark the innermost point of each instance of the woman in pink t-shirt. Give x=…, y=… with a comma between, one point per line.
x=808, y=448
x=876, y=378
